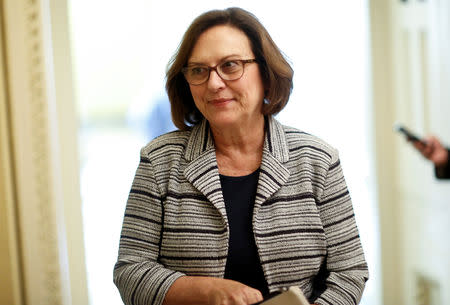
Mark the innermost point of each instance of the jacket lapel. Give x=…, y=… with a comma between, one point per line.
x=202, y=171
x=273, y=174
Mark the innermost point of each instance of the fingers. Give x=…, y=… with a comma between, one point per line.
x=420, y=146
x=425, y=147
x=432, y=149
x=254, y=296
x=435, y=142
x=439, y=154
x=229, y=292
x=248, y=296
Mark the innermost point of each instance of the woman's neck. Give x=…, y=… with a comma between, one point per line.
x=239, y=148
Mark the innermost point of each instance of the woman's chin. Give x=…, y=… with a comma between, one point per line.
x=223, y=121
x=229, y=120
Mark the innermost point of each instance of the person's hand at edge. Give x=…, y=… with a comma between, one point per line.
x=432, y=149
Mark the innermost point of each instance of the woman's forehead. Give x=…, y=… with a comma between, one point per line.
x=220, y=42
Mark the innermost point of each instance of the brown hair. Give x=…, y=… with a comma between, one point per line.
x=275, y=71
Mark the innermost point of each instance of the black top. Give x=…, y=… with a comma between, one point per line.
x=243, y=264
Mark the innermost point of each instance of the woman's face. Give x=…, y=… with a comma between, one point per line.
x=222, y=102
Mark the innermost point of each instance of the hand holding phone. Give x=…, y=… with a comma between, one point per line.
x=410, y=136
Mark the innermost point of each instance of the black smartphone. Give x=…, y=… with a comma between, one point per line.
x=410, y=136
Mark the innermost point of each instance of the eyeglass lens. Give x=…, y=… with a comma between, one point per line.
x=228, y=70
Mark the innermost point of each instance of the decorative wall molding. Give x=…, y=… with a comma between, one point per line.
x=35, y=144
x=41, y=154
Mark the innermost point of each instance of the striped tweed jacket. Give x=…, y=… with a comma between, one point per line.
x=175, y=220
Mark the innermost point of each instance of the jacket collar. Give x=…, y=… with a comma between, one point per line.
x=275, y=142
x=203, y=173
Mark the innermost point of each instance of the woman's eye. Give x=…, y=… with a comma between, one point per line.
x=229, y=66
x=230, y=63
x=198, y=70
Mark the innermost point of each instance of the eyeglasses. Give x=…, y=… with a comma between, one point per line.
x=228, y=70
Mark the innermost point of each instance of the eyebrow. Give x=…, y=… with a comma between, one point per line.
x=231, y=56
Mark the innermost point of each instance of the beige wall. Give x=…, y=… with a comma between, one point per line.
x=10, y=270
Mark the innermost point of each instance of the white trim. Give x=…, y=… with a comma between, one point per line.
x=382, y=101
x=66, y=116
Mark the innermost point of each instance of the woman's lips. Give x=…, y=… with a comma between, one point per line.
x=220, y=101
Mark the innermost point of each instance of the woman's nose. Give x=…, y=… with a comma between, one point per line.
x=215, y=81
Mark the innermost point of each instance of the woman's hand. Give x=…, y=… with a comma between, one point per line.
x=228, y=292
x=432, y=150
x=210, y=291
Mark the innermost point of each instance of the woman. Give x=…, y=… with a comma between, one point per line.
x=235, y=205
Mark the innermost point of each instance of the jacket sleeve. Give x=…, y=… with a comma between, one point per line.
x=138, y=275
x=443, y=172
x=346, y=268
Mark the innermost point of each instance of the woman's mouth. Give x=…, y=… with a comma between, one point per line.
x=220, y=101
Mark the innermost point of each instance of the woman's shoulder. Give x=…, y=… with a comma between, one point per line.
x=173, y=142
x=299, y=140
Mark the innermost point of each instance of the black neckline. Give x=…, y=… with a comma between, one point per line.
x=239, y=178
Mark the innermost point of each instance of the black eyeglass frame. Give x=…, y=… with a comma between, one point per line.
x=242, y=61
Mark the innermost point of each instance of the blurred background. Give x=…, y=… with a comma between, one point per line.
x=82, y=90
